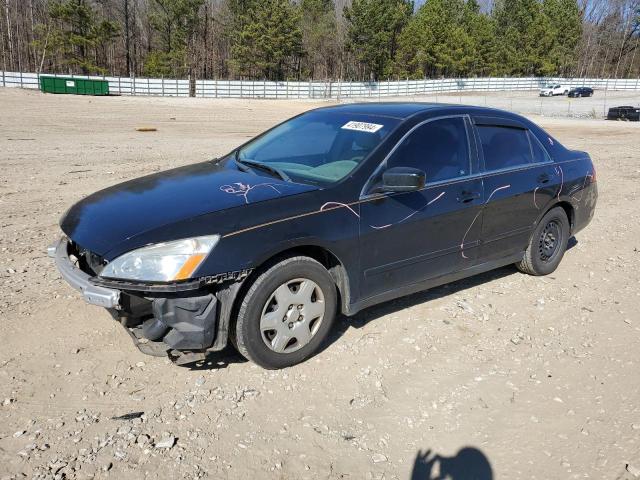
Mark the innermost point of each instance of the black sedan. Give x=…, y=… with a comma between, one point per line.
x=626, y=113
x=333, y=211
x=581, y=92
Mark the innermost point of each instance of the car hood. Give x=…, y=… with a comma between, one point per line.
x=109, y=217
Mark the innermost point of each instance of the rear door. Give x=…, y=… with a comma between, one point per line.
x=413, y=236
x=519, y=181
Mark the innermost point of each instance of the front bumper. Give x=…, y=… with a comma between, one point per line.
x=93, y=294
x=161, y=319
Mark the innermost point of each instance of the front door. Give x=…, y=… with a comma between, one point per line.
x=413, y=236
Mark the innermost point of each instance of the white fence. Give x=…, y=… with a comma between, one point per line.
x=316, y=89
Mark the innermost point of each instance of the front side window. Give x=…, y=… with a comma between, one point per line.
x=504, y=147
x=440, y=148
x=319, y=146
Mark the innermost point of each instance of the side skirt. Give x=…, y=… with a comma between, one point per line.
x=431, y=283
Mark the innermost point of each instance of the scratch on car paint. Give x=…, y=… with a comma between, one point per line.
x=334, y=205
x=561, y=173
x=584, y=184
x=381, y=227
x=534, y=198
x=476, y=217
x=242, y=190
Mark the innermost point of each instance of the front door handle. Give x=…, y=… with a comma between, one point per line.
x=544, y=178
x=467, y=197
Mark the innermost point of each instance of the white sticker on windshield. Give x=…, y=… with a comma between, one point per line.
x=362, y=126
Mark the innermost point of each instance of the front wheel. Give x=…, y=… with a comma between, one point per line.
x=286, y=314
x=547, y=245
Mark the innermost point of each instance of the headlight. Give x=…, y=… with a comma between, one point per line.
x=162, y=262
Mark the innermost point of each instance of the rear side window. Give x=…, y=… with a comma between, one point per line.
x=440, y=148
x=539, y=153
x=504, y=147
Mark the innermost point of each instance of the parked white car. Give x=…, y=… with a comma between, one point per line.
x=551, y=90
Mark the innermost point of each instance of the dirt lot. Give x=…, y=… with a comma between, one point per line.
x=539, y=377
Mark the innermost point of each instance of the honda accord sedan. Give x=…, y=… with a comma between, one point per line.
x=330, y=212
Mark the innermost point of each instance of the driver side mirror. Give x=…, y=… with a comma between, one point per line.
x=403, y=179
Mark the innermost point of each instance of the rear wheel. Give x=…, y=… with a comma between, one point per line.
x=286, y=313
x=548, y=244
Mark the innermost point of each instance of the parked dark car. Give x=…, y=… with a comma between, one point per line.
x=581, y=92
x=333, y=211
x=628, y=113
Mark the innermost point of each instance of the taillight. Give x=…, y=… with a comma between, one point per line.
x=593, y=175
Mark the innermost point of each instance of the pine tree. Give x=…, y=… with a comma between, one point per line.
x=176, y=22
x=523, y=38
x=481, y=29
x=373, y=30
x=269, y=41
x=444, y=38
x=77, y=33
x=565, y=21
x=319, y=37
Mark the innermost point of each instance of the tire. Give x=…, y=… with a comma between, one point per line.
x=265, y=306
x=547, y=245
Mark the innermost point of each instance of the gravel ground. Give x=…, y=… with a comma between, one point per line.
x=514, y=376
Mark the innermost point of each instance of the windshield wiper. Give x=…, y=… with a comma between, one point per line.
x=274, y=170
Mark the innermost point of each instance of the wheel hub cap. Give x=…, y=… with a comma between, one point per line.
x=292, y=315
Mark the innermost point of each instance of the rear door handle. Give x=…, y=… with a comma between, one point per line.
x=544, y=178
x=467, y=197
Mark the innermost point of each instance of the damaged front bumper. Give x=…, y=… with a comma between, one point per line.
x=183, y=320
x=93, y=294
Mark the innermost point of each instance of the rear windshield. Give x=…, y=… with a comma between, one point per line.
x=319, y=146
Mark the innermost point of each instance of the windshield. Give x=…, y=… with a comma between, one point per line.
x=319, y=146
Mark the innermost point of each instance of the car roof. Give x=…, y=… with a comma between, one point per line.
x=399, y=110
x=404, y=110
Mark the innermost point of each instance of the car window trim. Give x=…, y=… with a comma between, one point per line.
x=467, y=123
x=494, y=121
x=524, y=166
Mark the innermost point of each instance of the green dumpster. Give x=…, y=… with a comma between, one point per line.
x=76, y=86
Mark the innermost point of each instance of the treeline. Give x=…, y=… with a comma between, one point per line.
x=321, y=39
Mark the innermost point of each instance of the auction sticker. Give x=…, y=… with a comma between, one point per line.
x=362, y=127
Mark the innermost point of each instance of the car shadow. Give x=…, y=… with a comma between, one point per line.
x=216, y=360
x=375, y=312
x=362, y=318
x=468, y=464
